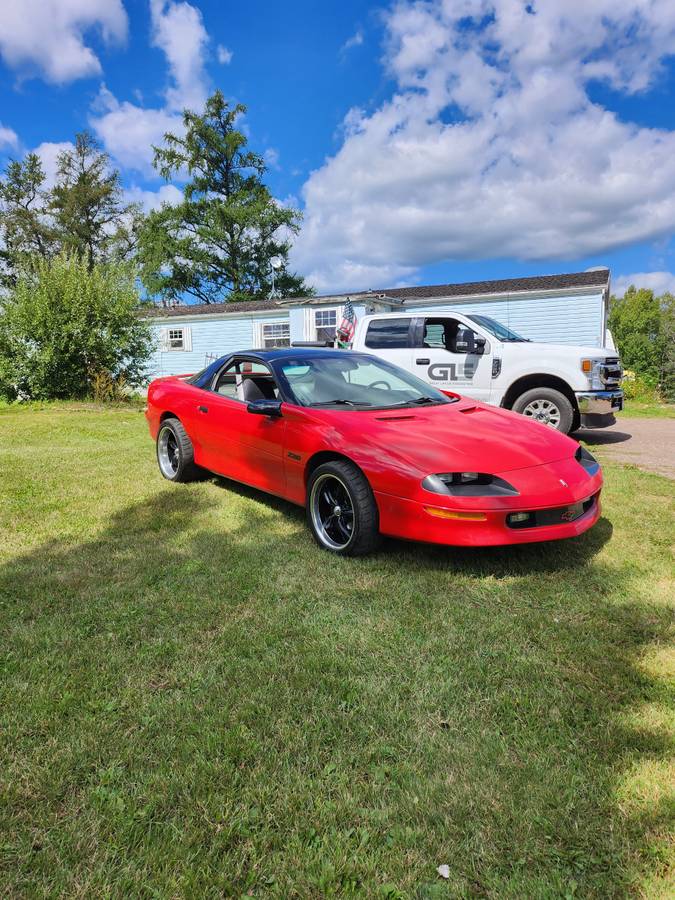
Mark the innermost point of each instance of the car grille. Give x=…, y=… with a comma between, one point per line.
x=611, y=372
x=558, y=515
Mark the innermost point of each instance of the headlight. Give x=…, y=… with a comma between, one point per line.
x=592, y=369
x=587, y=460
x=468, y=484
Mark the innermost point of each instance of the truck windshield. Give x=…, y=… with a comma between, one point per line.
x=352, y=381
x=501, y=332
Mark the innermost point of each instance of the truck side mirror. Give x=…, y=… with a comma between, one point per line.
x=479, y=344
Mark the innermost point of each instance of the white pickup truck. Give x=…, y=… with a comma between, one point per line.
x=558, y=384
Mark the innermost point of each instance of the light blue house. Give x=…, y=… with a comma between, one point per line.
x=563, y=309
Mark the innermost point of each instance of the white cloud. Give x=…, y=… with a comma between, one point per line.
x=48, y=36
x=149, y=200
x=354, y=41
x=271, y=157
x=224, y=55
x=491, y=146
x=49, y=152
x=8, y=137
x=129, y=130
x=659, y=282
x=178, y=30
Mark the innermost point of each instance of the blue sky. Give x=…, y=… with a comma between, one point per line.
x=425, y=142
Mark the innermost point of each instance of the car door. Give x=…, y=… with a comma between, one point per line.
x=239, y=444
x=451, y=355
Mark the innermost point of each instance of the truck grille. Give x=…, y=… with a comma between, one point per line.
x=611, y=372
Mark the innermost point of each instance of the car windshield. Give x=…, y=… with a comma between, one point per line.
x=353, y=381
x=501, y=332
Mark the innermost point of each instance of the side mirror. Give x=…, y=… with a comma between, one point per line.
x=479, y=344
x=270, y=408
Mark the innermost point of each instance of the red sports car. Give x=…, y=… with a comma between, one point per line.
x=371, y=450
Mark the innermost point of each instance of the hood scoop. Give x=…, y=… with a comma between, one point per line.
x=394, y=418
x=471, y=409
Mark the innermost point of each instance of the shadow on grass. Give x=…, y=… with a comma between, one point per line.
x=535, y=813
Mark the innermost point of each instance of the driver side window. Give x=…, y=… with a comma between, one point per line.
x=245, y=381
x=448, y=334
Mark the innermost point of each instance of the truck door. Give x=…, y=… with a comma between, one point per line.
x=449, y=354
x=390, y=338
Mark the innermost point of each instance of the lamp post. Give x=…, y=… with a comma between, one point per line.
x=276, y=263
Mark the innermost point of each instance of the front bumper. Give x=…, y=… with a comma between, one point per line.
x=410, y=520
x=482, y=521
x=597, y=408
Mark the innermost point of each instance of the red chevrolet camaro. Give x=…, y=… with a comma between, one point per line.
x=371, y=450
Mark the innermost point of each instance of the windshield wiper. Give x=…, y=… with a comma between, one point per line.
x=340, y=402
x=419, y=401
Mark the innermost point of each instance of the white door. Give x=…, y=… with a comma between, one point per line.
x=449, y=354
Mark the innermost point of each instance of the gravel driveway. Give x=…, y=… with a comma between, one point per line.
x=647, y=443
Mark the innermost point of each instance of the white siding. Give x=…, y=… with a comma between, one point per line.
x=210, y=335
x=552, y=320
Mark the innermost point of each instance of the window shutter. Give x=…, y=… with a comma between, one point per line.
x=309, y=332
x=187, y=340
x=163, y=340
x=258, y=336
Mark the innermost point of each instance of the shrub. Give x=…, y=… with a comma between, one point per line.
x=64, y=330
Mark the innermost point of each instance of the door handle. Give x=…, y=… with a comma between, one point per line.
x=203, y=409
x=423, y=362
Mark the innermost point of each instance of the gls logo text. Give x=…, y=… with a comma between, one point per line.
x=451, y=371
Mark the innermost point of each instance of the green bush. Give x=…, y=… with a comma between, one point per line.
x=640, y=387
x=64, y=330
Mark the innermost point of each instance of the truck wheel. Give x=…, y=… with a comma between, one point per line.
x=341, y=509
x=547, y=406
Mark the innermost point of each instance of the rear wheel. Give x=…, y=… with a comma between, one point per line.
x=341, y=509
x=547, y=406
x=175, y=454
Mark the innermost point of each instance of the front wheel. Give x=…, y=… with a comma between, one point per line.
x=341, y=509
x=547, y=406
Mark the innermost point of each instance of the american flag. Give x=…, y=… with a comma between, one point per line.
x=346, y=330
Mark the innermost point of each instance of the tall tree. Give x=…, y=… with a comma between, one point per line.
x=219, y=243
x=26, y=227
x=636, y=322
x=87, y=203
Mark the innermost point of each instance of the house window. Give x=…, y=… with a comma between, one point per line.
x=276, y=334
x=176, y=339
x=325, y=324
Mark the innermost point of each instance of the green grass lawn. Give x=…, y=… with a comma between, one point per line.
x=648, y=410
x=195, y=701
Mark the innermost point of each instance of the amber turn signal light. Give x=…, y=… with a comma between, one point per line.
x=453, y=514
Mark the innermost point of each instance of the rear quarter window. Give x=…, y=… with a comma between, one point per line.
x=388, y=334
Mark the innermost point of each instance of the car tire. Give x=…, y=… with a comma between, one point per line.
x=354, y=529
x=547, y=406
x=175, y=454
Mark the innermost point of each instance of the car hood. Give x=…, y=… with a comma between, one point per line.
x=463, y=436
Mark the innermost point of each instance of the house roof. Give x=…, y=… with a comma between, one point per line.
x=210, y=309
x=567, y=281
